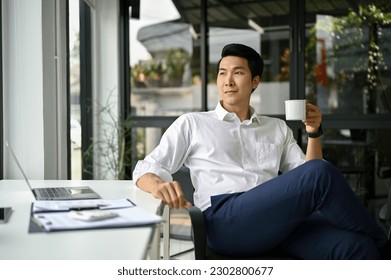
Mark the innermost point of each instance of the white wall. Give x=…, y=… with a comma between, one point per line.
x=34, y=77
x=23, y=102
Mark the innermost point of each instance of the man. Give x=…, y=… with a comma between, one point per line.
x=235, y=157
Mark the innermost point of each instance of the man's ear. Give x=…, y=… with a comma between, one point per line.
x=256, y=81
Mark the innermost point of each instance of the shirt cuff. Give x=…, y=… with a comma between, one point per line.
x=143, y=167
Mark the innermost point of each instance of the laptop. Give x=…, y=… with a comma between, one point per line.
x=56, y=193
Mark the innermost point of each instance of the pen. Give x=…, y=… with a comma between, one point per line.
x=76, y=207
x=89, y=207
x=83, y=208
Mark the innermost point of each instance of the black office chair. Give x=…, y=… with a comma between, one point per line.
x=382, y=144
x=384, y=172
x=201, y=250
x=385, y=213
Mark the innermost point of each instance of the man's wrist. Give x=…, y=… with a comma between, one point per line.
x=316, y=134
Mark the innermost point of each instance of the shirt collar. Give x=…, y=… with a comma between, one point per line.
x=223, y=114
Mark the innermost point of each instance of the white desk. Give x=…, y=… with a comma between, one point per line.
x=16, y=243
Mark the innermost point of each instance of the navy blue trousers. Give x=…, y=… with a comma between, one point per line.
x=310, y=212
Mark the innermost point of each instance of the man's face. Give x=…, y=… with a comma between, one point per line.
x=234, y=82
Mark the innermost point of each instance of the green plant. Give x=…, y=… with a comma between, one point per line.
x=360, y=33
x=165, y=71
x=147, y=71
x=109, y=152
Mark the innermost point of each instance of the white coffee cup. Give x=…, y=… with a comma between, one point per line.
x=295, y=110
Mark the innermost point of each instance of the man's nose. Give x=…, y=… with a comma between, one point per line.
x=229, y=81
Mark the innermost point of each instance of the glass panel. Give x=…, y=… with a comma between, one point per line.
x=348, y=57
x=146, y=140
x=363, y=156
x=161, y=51
x=164, y=39
x=165, y=56
x=74, y=79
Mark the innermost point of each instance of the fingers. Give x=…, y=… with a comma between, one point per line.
x=313, y=110
x=313, y=118
x=171, y=193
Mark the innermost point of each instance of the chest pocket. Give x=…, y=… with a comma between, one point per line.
x=269, y=156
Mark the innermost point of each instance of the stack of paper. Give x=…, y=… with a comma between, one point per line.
x=54, y=215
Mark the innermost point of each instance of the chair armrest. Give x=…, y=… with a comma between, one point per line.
x=165, y=213
x=199, y=235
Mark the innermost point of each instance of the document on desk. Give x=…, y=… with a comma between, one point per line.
x=55, y=215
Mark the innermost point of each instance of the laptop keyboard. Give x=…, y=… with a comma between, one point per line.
x=53, y=192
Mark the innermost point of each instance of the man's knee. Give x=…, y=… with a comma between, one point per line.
x=326, y=172
x=321, y=165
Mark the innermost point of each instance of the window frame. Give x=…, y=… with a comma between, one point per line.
x=86, y=115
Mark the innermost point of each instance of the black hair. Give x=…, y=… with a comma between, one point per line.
x=254, y=59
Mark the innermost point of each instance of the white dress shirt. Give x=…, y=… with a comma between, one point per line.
x=224, y=155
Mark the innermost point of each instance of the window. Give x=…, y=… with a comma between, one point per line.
x=348, y=57
x=167, y=64
x=347, y=70
x=311, y=50
x=161, y=61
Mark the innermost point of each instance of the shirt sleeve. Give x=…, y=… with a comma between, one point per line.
x=292, y=155
x=170, y=153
